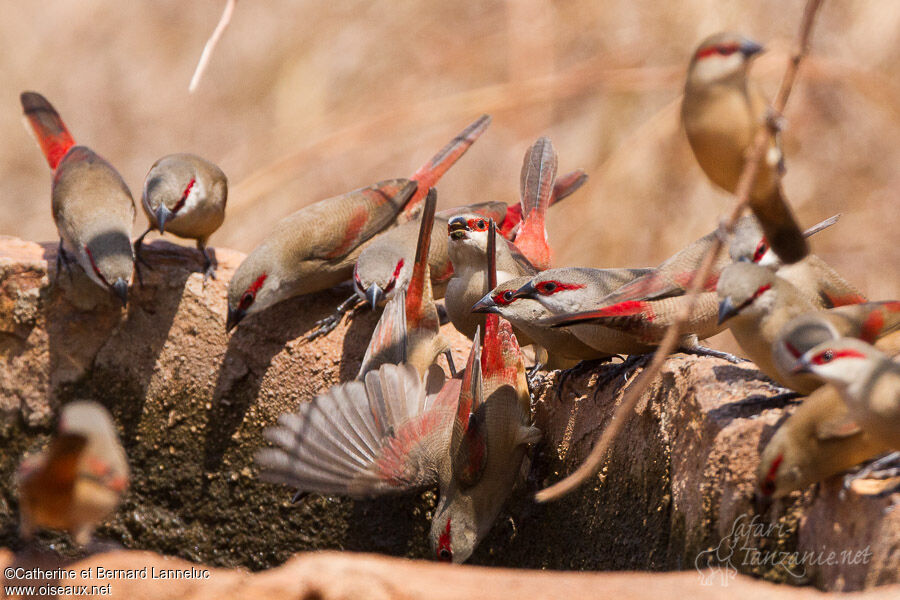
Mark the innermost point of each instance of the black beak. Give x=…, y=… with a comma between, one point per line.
x=801, y=366
x=526, y=291
x=374, y=296
x=727, y=309
x=235, y=316
x=486, y=305
x=163, y=216
x=456, y=228
x=120, y=287
x=750, y=48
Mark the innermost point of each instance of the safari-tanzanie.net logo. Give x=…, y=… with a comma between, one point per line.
x=740, y=548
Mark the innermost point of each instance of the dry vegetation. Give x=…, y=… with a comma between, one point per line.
x=303, y=100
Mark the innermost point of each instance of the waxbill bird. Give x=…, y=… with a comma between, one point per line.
x=92, y=207
x=674, y=275
x=384, y=266
x=525, y=314
x=875, y=323
x=868, y=381
x=812, y=275
x=185, y=195
x=409, y=328
x=78, y=480
x=469, y=238
x=722, y=112
x=818, y=440
x=396, y=432
x=315, y=248
x=756, y=304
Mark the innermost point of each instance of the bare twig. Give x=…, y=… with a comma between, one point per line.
x=224, y=20
x=670, y=341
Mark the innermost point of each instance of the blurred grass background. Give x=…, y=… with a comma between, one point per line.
x=304, y=100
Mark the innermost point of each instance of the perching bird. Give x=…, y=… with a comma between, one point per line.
x=812, y=275
x=78, y=480
x=185, y=195
x=395, y=432
x=562, y=345
x=818, y=440
x=316, y=247
x=756, y=304
x=409, y=330
x=868, y=381
x=92, y=207
x=629, y=327
x=384, y=266
x=875, y=323
x=469, y=237
x=722, y=112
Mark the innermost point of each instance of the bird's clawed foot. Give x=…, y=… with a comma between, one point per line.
x=209, y=265
x=880, y=478
x=704, y=351
x=139, y=258
x=327, y=325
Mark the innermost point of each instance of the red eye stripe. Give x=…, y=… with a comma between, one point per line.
x=393, y=280
x=254, y=287
x=762, y=290
x=180, y=204
x=94, y=265
x=768, y=487
x=551, y=286
x=827, y=356
x=761, y=249
x=501, y=299
x=444, y=543
x=477, y=224
x=721, y=49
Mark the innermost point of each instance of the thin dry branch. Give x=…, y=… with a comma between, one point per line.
x=224, y=20
x=670, y=342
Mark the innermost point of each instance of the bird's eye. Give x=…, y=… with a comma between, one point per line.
x=547, y=287
x=481, y=224
x=246, y=300
x=827, y=356
x=445, y=554
x=508, y=295
x=726, y=50
x=760, y=251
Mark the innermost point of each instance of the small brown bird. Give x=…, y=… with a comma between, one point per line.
x=756, y=305
x=812, y=275
x=469, y=239
x=722, y=111
x=627, y=327
x=868, y=381
x=383, y=267
x=817, y=441
x=316, y=247
x=186, y=195
x=562, y=345
x=394, y=432
x=92, y=207
x=409, y=328
x=875, y=323
x=78, y=480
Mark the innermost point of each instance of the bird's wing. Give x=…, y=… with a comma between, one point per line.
x=387, y=434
